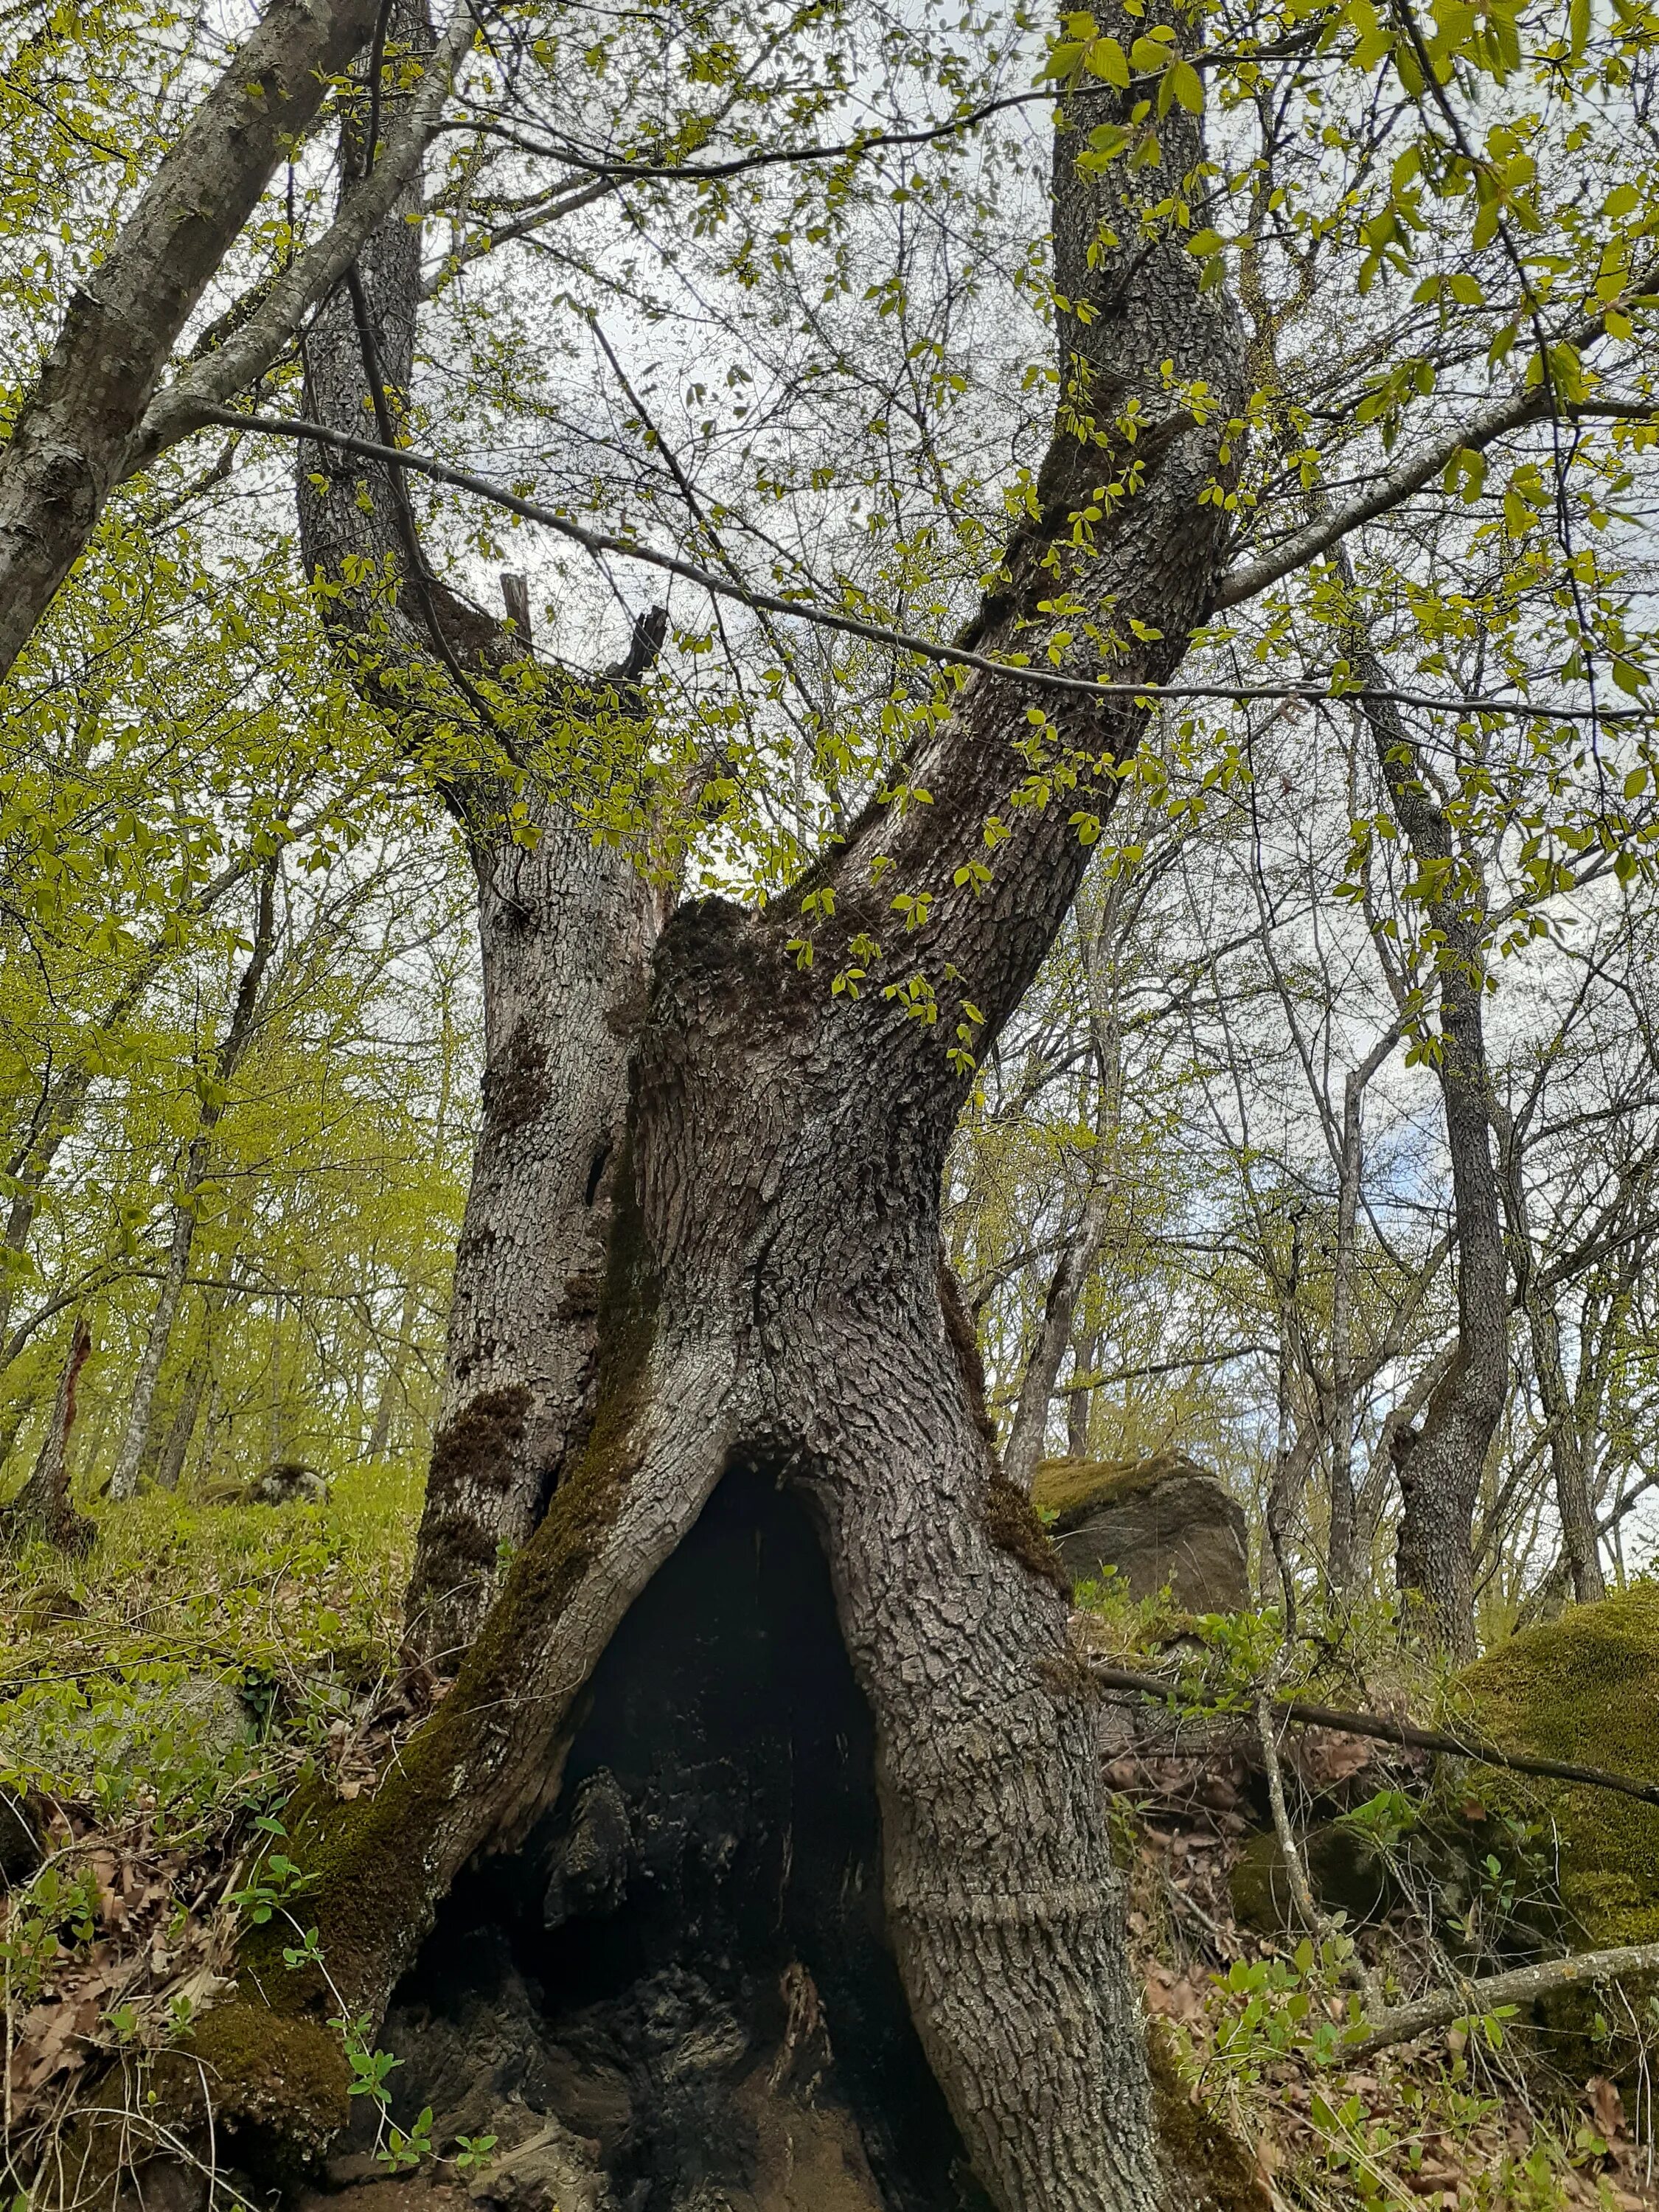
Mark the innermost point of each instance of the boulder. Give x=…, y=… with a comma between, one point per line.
x=1158, y=1521
x=286, y=1482
x=1345, y=1874
x=1584, y=1689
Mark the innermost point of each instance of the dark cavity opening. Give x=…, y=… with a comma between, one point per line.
x=680, y=1996
x=596, y=1169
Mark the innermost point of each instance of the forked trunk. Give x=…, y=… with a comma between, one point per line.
x=771, y=1308
x=773, y=1302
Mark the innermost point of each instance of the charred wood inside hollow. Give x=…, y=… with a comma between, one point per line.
x=681, y=1992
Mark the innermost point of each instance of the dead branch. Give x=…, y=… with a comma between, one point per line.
x=1385, y=1729
x=1468, y=2000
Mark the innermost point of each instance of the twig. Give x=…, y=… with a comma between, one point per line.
x=1468, y=2000
x=1317, y=1923
x=1308, y=1912
x=1385, y=1729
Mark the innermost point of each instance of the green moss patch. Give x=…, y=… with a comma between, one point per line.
x=1070, y=1489
x=1011, y=1524
x=1584, y=1689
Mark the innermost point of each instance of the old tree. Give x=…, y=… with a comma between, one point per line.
x=748, y=1667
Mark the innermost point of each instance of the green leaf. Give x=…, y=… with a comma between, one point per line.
x=1188, y=87
x=1105, y=58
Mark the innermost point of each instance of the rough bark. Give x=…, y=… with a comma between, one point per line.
x=1439, y=1466
x=772, y=1297
x=565, y=926
x=141, y=1406
x=69, y=445
x=1574, y=1504
x=42, y=1506
x=1028, y=1436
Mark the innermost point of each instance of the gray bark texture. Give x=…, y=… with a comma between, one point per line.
x=71, y=445
x=565, y=927
x=771, y=1291
x=1439, y=1466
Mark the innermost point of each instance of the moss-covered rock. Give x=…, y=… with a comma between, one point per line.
x=1158, y=1521
x=1345, y=1874
x=1584, y=1689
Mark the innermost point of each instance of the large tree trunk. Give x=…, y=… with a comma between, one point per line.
x=771, y=1301
x=566, y=924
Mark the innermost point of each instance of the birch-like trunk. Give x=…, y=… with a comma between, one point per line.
x=141, y=1406
x=71, y=443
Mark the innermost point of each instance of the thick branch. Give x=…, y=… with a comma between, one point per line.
x=186, y=404
x=799, y=609
x=72, y=439
x=1469, y=2000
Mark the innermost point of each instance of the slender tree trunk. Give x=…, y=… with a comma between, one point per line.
x=1085, y=1354
x=391, y=1383
x=1027, y=1439
x=1574, y=1504
x=65, y=1094
x=141, y=1407
x=1340, y=1550
x=1440, y=1467
x=181, y=1430
x=42, y=1507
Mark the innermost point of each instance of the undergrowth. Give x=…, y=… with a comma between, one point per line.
x=160, y=1700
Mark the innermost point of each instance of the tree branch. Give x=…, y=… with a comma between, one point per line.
x=801, y=610
x=196, y=396
x=1385, y=1729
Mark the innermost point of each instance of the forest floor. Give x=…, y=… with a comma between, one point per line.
x=161, y=1698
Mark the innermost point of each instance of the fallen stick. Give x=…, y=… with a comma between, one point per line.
x=1388, y=1730
x=1469, y=2000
